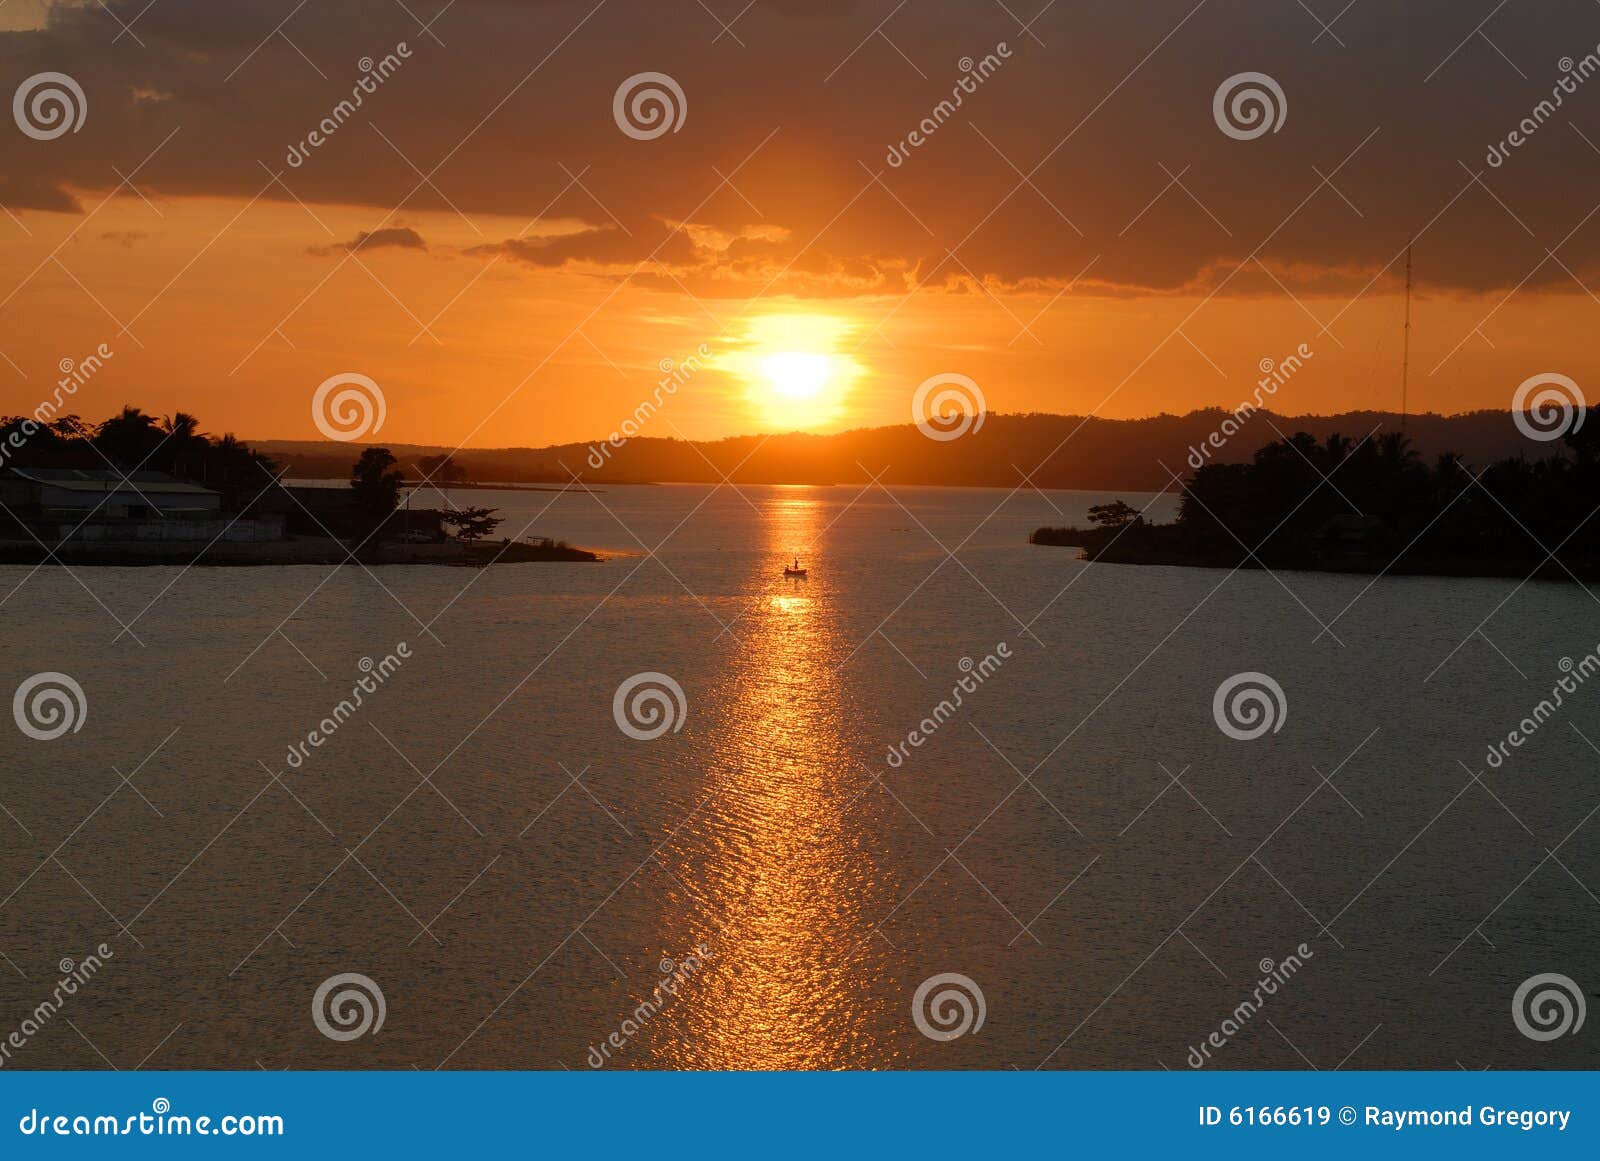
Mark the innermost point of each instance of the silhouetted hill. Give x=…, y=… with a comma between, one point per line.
x=1075, y=452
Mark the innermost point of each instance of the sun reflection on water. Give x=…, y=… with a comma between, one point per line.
x=781, y=866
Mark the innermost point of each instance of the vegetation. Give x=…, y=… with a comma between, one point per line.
x=442, y=469
x=1371, y=506
x=132, y=440
x=376, y=485
x=471, y=523
x=1058, y=451
x=315, y=519
x=1115, y=515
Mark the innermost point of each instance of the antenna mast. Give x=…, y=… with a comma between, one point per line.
x=1405, y=358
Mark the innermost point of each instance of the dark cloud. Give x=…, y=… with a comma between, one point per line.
x=395, y=238
x=1109, y=120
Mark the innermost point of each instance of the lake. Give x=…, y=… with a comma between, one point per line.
x=1079, y=850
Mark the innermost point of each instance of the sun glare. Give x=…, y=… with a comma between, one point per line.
x=796, y=376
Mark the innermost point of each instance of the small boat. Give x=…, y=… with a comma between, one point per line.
x=795, y=571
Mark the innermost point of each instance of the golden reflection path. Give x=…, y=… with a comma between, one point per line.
x=779, y=854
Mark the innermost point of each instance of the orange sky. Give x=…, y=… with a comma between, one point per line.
x=528, y=293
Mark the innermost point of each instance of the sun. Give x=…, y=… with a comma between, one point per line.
x=797, y=374
x=797, y=370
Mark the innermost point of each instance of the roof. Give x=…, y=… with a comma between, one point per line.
x=83, y=480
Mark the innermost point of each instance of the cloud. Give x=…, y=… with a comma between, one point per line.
x=394, y=237
x=1096, y=148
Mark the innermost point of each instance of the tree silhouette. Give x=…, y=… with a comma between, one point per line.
x=471, y=523
x=376, y=485
x=1117, y=514
x=442, y=469
x=129, y=438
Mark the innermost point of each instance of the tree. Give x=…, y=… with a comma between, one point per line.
x=471, y=523
x=1114, y=515
x=184, y=448
x=376, y=484
x=129, y=438
x=442, y=469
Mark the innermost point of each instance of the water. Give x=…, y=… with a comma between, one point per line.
x=484, y=842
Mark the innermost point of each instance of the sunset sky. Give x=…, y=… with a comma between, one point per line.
x=1078, y=237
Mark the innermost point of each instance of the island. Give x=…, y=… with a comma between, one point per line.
x=1370, y=506
x=141, y=490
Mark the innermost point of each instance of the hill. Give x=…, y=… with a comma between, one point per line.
x=1075, y=452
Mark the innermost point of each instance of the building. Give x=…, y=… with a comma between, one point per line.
x=72, y=494
x=82, y=504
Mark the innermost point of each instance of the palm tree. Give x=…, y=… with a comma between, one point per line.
x=184, y=444
x=129, y=437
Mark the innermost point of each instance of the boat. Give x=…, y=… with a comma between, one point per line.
x=796, y=571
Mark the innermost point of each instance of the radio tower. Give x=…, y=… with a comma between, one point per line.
x=1405, y=358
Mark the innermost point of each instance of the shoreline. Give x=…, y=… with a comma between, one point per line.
x=279, y=553
x=1162, y=545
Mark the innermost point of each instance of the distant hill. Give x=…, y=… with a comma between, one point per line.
x=1093, y=453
